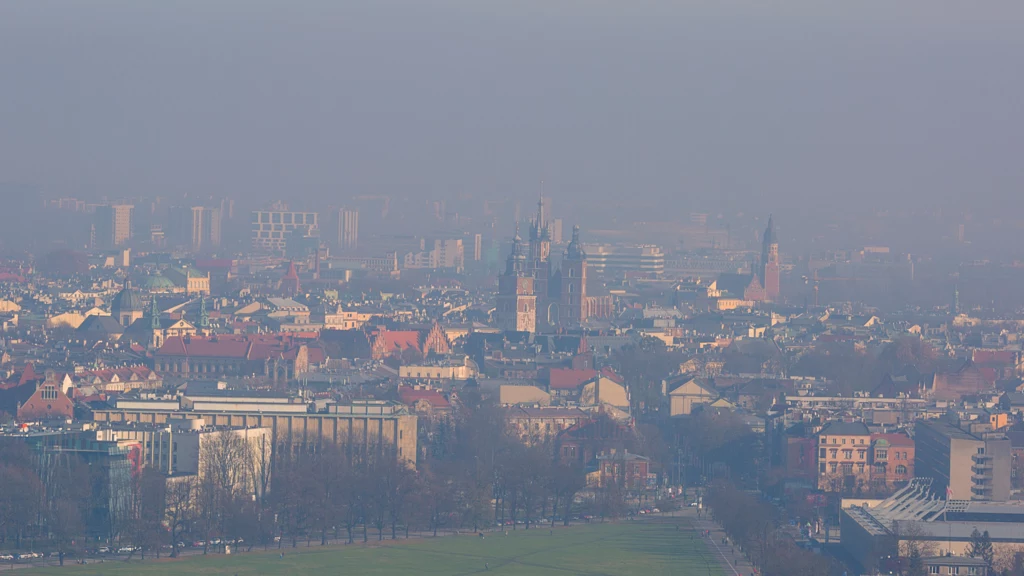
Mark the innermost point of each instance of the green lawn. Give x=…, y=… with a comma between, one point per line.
x=628, y=548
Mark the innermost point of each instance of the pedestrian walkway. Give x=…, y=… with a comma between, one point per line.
x=731, y=559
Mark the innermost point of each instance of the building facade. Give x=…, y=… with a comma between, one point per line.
x=113, y=225
x=272, y=228
x=348, y=229
x=843, y=457
x=962, y=465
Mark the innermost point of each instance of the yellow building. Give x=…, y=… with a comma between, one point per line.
x=541, y=425
x=191, y=280
x=463, y=369
x=370, y=424
x=689, y=394
x=510, y=394
x=843, y=457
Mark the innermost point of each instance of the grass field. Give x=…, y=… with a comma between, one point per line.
x=647, y=547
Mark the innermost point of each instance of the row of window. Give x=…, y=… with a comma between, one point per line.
x=847, y=468
x=284, y=218
x=968, y=570
x=824, y=440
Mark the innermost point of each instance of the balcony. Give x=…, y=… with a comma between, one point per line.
x=981, y=459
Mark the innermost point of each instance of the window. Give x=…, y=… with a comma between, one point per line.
x=844, y=440
x=860, y=454
x=860, y=467
x=833, y=452
x=834, y=467
x=933, y=569
x=821, y=453
x=881, y=454
x=848, y=468
x=879, y=468
x=847, y=454
x=901, y=469
x=821, y=467
x=835, y=440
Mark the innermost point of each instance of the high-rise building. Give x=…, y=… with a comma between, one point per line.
x=113, y=225
x=478, y=247
x=450, y=253
x=194, y=227
x=963, y=466
x=606, y=258
x=205, y=228
x=556, y=231
x=517, y=303
x=348, y=229
x=272, y=228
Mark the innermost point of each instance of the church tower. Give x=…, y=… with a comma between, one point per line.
x=539, y=266
x=540, y=235
x=770, y=262
x=572, y=309
x=516, y=308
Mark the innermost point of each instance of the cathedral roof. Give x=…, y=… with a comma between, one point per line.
x=127, y=300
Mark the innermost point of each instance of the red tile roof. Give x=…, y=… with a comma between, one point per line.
x=609, y=373
x=401, y=339
x=410, y=396
x=1007, y=357
x=894, y=439
x=28, y=375
x=568, y=379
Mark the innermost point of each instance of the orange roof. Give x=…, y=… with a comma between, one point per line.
x=410, y=396
x=994, y=357
x=894, y=439
x=568, y=379
x=401, y=339
x=609, y=373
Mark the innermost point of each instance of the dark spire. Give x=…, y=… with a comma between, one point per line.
x=575, y=248
x=769, y=232
x=516, y=259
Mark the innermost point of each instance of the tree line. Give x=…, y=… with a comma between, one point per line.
x=753, y=525
x=253, y=493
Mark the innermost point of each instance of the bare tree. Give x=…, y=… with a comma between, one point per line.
x=148, y=501
x=181, y=501
x=566, y=480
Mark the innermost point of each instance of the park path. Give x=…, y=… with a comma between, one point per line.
x=731, y=559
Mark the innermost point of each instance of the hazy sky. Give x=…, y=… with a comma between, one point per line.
x=721, y=104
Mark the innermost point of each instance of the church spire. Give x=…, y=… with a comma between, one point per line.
x=154, y=315
x=204, y=316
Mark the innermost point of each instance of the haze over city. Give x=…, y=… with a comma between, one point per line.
x=824, y=112
x=538, y=287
